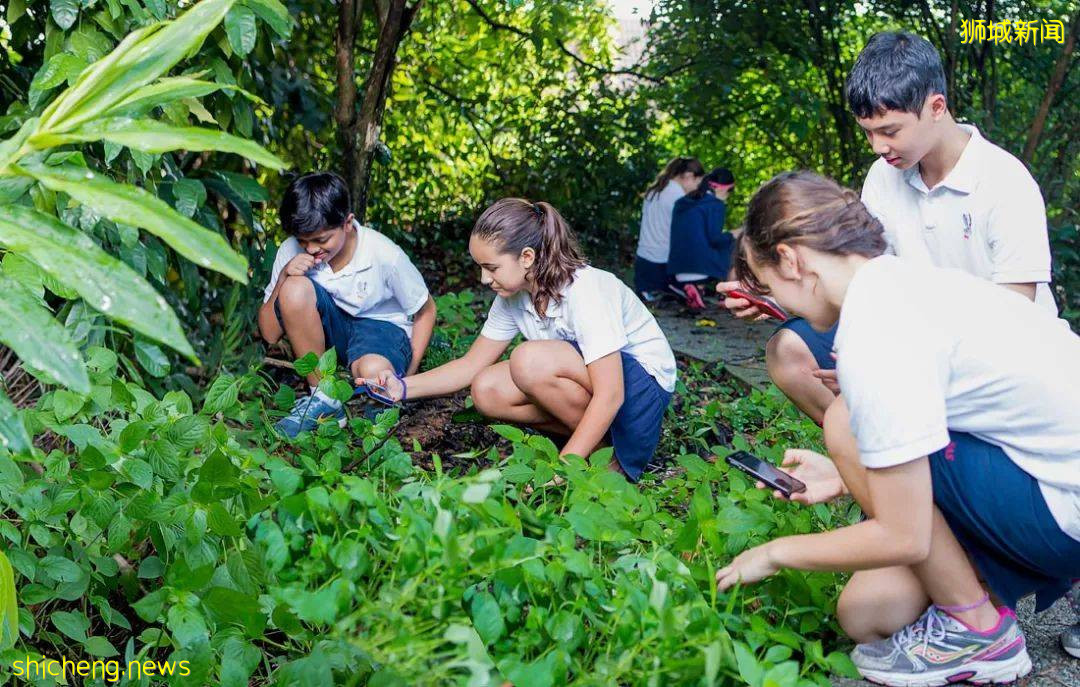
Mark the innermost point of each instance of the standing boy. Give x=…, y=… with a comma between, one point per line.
x=945, y=195
x=337, y=283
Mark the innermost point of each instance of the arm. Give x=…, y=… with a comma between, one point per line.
x=898, y=534
x=269, y=327
x=714, y=228
x=1026, y=290
x=423, y=325
x=606, y=375
x=450, y=377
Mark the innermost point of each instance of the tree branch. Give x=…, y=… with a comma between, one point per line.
x=495, y=24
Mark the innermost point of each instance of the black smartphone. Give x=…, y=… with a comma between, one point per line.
x=766, y=472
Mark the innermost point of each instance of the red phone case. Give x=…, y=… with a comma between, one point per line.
x=767, y=307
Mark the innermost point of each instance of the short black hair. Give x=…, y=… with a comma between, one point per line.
x=719, y=175
x=896, y=70
x=313, y=202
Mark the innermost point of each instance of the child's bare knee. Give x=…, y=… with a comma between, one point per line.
x=527, y=369
x=486, y=393
x=296, y=293
x=787, y=356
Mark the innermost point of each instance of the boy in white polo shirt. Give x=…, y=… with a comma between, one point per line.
x=945, y=195
x=337, y=283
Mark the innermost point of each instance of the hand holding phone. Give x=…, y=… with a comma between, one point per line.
x=375, y=391
x=765, y=472
x=763, y=304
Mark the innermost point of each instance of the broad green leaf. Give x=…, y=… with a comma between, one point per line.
x=9, y=605
x=239, y=659
x=107, y=284
x=275, y=14
x=38, y=338
x=13, y=434
x=61, y=67
x=133, y=205
x=487, y=617
x=151, y=136
x=151, y=358
x=66, y=404
x=240, y=28
x=74, y=625
x=163, y=91
x=143, y=56
x=100, y=646
x=64, y=12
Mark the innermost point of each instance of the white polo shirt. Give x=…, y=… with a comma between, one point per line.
x=380, y=282
x=598, y=312
x=654, y=243
x=986, y=217
x=976, y=358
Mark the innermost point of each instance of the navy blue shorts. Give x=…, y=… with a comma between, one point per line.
x=649, y=276
x=358, y=336
x=635, y=431
x=998, y=514
x=819, y=343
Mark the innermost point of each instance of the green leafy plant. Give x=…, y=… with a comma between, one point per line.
x=108, y=102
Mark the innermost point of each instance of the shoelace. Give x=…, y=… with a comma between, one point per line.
x=931, y=627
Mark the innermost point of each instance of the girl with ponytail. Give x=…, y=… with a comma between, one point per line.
x=594, y=362
x=957, y=431
x=680, y=176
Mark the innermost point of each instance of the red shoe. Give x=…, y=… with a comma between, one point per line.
x=693, y=297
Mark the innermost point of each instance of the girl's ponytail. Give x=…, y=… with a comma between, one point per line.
x=675, y=167
x=516, y=224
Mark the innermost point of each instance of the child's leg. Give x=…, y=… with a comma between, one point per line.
x=946, y=577
x=790, y=363
x=495, y=395
x=552, y=375
x=297, y=305
x=877, y=603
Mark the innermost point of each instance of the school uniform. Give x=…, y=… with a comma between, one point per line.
x=700, y=248
x=654, y=241
x=367, y=305
x=599, y=315
x=987, y=387
x=986, y=217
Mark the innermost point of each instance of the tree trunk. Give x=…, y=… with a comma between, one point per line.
x=395, y=18
x=1057, y=77
x=345, y=110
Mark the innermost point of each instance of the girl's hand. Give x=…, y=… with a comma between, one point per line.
x=739, y=307
x=395, y=388
x=749, y=566
x=829, y=378
x=817, y=472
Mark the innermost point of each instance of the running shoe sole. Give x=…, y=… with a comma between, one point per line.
x=978, y=672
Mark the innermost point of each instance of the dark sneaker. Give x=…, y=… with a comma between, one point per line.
x=1070, y=638
x=937, y=649
x=308, y=412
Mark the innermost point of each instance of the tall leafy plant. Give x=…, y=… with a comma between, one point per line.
x=111, y=101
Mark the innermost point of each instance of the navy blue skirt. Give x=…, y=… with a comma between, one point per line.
x=819, y=343
x=998, y=514
x=635, y=431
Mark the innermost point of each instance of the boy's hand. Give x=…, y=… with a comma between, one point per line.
x=739, y=307
x=817, y=472
x=386, y=379
x=300, y=265
x=829, y=378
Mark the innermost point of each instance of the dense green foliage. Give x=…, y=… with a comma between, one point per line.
x=149, y=512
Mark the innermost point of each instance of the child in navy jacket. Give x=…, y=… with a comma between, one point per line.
x=700, y=248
